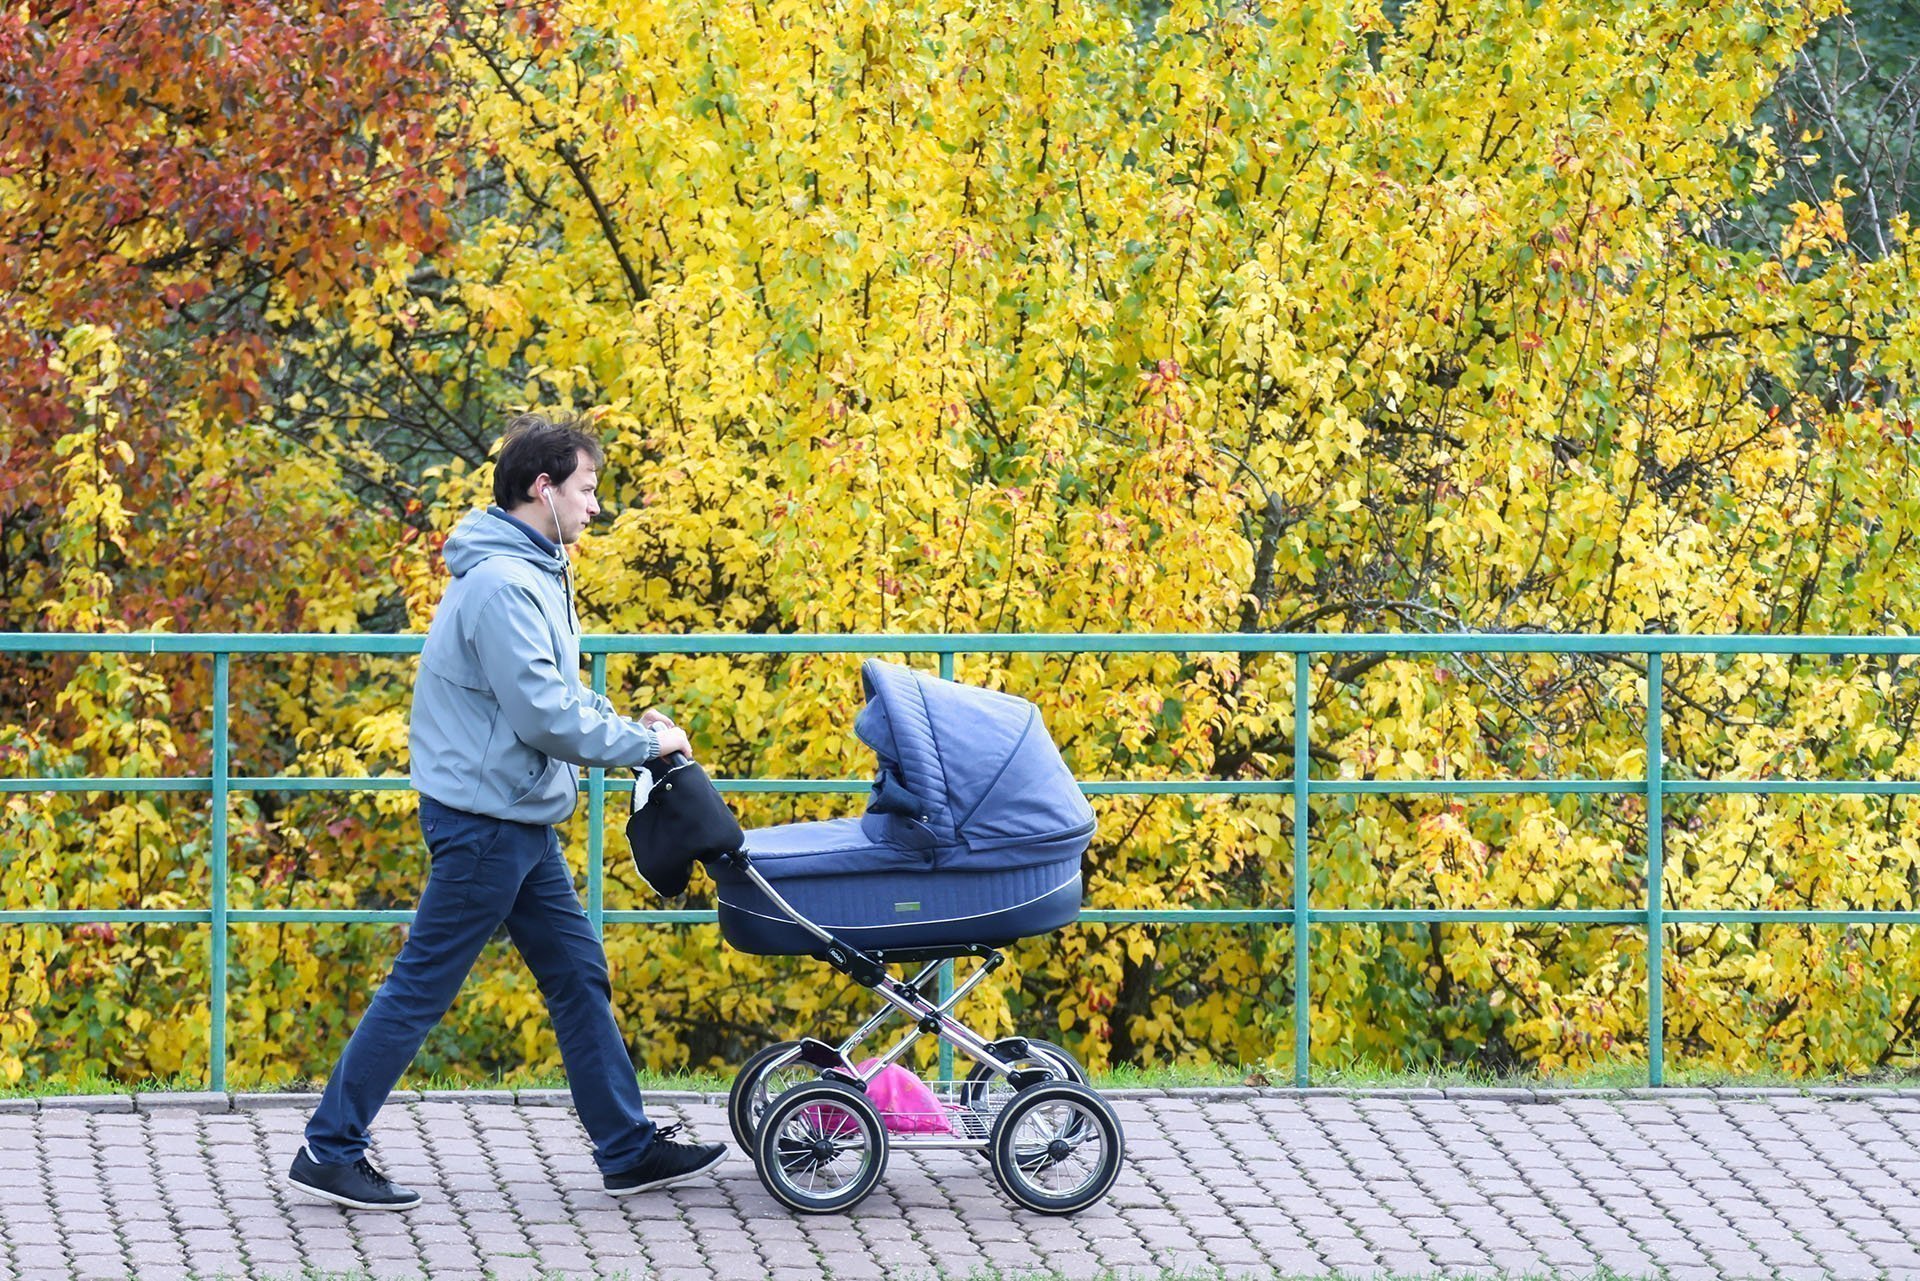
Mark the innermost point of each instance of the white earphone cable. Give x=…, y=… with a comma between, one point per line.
x=559, y=535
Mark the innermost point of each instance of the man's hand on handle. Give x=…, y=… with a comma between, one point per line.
x=671, y=737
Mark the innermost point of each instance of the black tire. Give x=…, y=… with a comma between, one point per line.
x=985, y=1092
x=766, y=1075
x=821, y=1147
x=1056, y=1148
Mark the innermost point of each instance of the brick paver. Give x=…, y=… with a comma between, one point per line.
x=1228, y=1183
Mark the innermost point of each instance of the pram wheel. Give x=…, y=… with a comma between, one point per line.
x=1056, y=1148
x=820, y=1147
x=768, y=1074
x=985, y=1091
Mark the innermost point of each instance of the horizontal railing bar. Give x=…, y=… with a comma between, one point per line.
x=665, y=917
x=1092, y=916
x=1823, y=787
x=150, y=643
x=1203, y=787
x=1188, y=916
x=1608, y=916
x=1768, y=787
x=63, y=916
x=1471, y=787
x=381, y=783
x=202, y=783
x=321, y=916
x=1116, y=787
x=991, y=643
x=1468, y=915
x=185, y=784
x=1271, y=642
x=614, y=786
x=1791, y=916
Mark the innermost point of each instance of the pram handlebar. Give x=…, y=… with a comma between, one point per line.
x=866, y=970
x=741, y=860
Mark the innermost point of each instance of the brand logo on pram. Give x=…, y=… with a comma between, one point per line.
x=906, y=907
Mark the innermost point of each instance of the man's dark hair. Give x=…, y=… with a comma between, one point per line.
x=536, y=444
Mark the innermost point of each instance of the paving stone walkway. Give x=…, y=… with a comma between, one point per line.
x=1689, y=1185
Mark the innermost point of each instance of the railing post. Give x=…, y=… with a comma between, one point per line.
x=1302, y=949
x=596, y=821
x=1656, y=895
x=217, y=948
x=946, y=967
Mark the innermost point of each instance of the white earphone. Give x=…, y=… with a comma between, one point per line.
x=559, y=535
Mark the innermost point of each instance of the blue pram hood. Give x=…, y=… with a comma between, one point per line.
x=968, y=777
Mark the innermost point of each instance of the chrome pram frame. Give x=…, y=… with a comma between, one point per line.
x=1054, y=1145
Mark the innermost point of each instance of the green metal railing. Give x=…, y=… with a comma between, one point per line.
x=1653, y=916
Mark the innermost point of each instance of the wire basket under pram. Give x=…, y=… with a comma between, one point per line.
x=971, y=839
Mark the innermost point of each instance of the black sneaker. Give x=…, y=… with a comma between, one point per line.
x=360, y=1185
x=667, y=1161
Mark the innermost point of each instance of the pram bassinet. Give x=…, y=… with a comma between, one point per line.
x=973, y=832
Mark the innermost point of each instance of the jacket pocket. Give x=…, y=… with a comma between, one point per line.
x=530, y=776
x=508, y=770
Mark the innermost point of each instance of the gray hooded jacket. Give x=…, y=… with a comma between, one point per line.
x=500, y=718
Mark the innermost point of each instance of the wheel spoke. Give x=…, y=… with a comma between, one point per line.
x=829, y=1148
x=1067, y=1125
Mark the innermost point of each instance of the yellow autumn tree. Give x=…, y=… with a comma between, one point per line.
x=1248, y=318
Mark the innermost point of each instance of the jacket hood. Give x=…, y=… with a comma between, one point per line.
x=481, y=534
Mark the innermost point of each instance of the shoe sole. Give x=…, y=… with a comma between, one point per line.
x=671, y=1179
x=349, y=1202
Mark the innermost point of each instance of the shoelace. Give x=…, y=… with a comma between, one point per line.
x=372, y=1171
x=666, y=1132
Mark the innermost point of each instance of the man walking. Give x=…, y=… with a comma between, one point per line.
x=500, y=722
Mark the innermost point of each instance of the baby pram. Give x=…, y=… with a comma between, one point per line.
x=971, y=839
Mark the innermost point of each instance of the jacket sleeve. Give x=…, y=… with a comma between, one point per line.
x=546, y=713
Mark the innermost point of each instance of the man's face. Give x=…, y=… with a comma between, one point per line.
x=574, y=503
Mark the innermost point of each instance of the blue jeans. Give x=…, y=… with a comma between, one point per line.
x=486, y=871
